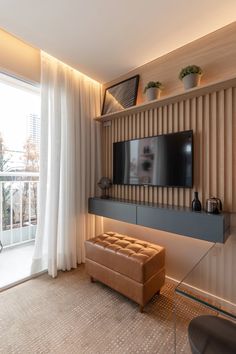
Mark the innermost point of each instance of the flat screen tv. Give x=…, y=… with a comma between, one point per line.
x=163, y=160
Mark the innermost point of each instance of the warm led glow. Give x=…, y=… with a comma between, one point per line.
x=85, y=78
x=18, y=58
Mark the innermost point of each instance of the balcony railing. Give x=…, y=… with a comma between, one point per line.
x=18, y=207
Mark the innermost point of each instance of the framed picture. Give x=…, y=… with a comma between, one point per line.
x=121, y=95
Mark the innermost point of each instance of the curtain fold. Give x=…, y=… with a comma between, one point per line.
x=69, y=166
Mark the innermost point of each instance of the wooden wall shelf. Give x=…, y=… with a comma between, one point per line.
x=178, y=220
x=195, y=92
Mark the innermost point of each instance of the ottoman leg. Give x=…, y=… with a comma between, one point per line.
x=141, y=308
x=92, y=279
x=158, y=292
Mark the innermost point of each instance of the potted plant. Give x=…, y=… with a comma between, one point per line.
x=153, y=90
x=190, y=75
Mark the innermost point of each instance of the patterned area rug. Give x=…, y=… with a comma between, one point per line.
x=71, y=315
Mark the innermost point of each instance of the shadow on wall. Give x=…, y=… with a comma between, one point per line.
x=182, y=252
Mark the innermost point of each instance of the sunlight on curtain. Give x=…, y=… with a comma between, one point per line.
x=69, y=165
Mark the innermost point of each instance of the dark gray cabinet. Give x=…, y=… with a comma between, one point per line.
x=182, y=221
x=203, y=226
x=113, y=209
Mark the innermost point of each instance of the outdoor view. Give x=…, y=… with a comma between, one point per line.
x=19, y=160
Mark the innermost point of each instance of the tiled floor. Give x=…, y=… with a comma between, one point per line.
x=15, y=263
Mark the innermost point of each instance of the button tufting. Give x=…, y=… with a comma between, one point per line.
x=126, y=245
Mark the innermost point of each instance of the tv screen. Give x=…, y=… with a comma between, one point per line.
x=163, y=160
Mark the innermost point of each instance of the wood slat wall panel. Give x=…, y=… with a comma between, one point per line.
x=213, y=120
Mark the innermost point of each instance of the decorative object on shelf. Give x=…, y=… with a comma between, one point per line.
x=153, y=90
x=191, y=76
x=196, y=204
x=213, y=205
x=120, y=96
x=105, y=183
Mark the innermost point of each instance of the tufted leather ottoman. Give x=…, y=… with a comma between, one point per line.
x=133, y=267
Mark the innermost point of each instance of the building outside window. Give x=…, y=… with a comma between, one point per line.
x=19, y=160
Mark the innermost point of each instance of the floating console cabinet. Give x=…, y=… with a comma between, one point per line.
x=178, y=220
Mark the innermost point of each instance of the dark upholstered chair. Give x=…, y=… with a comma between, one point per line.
x=212, y=335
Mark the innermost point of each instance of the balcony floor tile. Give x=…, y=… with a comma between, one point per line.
x=15, y=263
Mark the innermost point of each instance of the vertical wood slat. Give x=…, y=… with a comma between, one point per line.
x=233, y=207
x=221, y=142
x=228, y=147
x=212, y=117
x=213, y=145
x=181, y=127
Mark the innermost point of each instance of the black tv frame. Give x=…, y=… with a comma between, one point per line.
x=157, y=185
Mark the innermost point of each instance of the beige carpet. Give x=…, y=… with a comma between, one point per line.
x=71, y=315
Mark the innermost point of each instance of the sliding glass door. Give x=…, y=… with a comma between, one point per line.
x=19, y=176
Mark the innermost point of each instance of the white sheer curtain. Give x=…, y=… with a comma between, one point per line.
x=69, y=166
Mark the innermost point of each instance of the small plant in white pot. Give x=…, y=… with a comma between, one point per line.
x=153, y=90
x=191, y=76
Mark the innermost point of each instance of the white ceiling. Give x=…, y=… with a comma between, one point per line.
x=107, y=38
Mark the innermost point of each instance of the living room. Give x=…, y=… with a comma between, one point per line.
x=61, y=310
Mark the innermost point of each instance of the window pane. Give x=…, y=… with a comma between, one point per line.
x=19, y=160
x=19, y=125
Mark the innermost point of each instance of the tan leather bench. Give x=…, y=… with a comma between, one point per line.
x=133, y=267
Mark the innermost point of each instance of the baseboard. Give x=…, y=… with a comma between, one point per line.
x=172, y=280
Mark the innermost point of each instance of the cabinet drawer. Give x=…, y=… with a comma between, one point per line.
x=198, y=225
x=113, y=210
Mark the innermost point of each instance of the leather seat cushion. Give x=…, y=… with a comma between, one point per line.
x=136, y=259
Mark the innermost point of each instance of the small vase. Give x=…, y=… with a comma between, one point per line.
x=196, y=204
x=191, y=80
x=153, y=93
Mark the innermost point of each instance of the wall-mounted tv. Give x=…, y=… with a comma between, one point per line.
x=163, y=160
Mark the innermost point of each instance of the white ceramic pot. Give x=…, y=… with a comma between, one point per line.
x=153, y=93
x=191, y=80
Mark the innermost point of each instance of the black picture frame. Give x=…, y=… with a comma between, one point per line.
x=121, y=95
